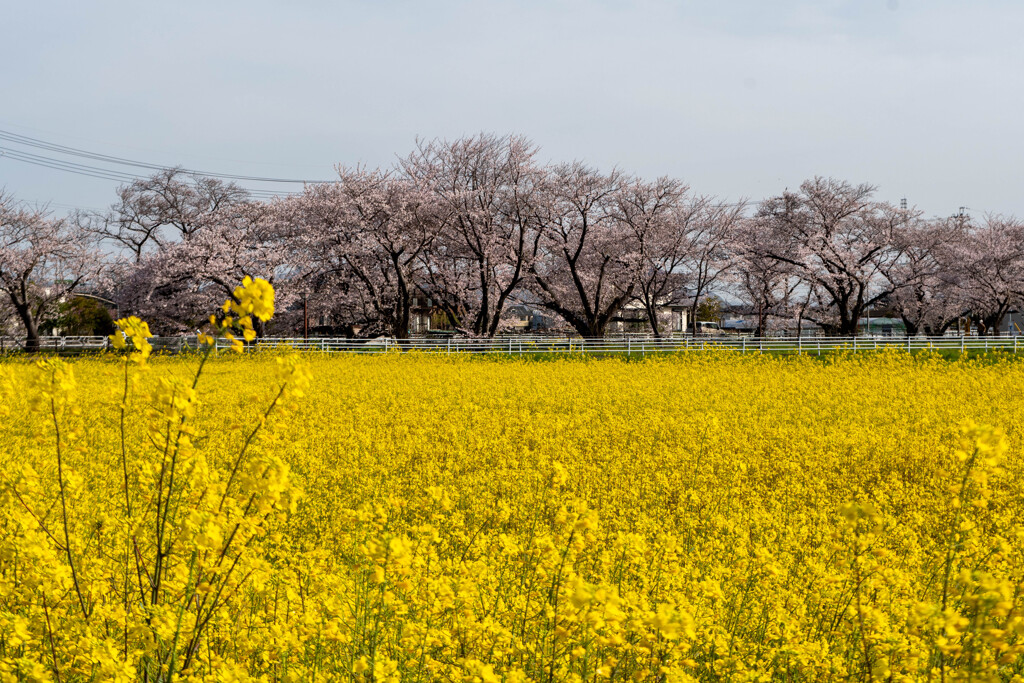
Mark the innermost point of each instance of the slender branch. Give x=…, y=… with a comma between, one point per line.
x=64, y=511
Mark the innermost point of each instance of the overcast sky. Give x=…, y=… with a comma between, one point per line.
x=923, y=98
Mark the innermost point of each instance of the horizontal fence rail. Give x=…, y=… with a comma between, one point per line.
x=531, y=345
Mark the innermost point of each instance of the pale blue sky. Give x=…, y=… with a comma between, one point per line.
x=741, y=99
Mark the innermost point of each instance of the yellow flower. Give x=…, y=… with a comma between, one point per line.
x=211, y=537
x=137, y=332
x=253, y=297
x=457, y=519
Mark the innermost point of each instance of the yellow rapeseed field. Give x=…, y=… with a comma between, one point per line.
x=434, y=518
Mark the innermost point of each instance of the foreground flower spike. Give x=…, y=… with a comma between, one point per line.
x=254, y=297
x=137, y=332
x=127, y=545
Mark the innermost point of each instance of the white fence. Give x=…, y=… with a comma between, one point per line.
x=527, y=345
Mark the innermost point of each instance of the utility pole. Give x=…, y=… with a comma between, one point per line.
x=305, y=319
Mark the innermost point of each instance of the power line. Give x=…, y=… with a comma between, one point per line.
x=100, y=172
x=120, y=176
x=27, y=130
x=59, y=165
x=95, y=156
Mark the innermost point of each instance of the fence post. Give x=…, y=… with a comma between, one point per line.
x=1015, y=344
x=799, y=347
x=962, y=344
x=629, y=347
x=743, y=349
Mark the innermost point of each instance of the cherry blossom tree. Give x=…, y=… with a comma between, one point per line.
x=313, y=229
x=168, y=206
x=925, y=294
x=660, y=224
x=176, y=286
x=485, y=187
x=986, y=264
x=711, y=236
x=369, y=231
x=767, y=283
x=838, y=240
x=43, y=260
x=585, y=261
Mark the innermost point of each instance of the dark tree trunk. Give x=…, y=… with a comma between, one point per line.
x=652, y=318
x=848, y=327
x=31, y=328
x=401, y=327
x=405, y=298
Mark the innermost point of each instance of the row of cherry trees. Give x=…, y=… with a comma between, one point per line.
x=478, y=225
